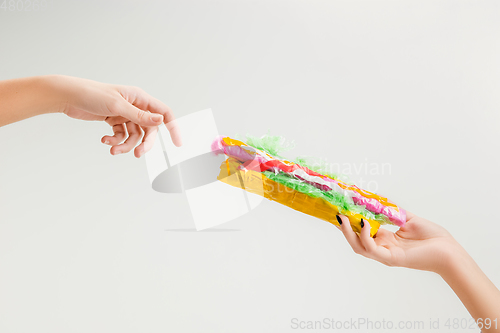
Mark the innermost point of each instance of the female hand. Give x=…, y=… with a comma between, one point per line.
x=420, y=244
x=424, y=245
x=131, y=112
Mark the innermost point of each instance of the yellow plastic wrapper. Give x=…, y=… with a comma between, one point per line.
x=234, y=173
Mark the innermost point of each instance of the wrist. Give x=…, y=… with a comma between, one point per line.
x=457, y=262
x=53, y=87
x=40, y=95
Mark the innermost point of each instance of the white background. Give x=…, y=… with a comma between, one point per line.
x=87, y=246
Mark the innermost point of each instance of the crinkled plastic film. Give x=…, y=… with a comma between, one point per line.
x=306, y=202
x=299, y=187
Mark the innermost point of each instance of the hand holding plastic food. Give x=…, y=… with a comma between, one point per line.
x=419, y=244
x=132, y=113
x=424, y=245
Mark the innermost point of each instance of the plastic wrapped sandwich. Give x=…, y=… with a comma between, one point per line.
x=256, y=168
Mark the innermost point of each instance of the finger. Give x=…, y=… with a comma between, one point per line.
x=409, y=215
x=136, y=115
x=112, y=121
x=147, y=141
x=373, y=249
x=134, y=135
x=144, y=101
x=175, y=133
x=366, y=240
x=350, y=235
x=120, y=134
x=157, y=106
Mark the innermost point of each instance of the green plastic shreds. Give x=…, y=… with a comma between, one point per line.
x=317, y=165
x=275, y=145
x=345, y=204
x=271, y=144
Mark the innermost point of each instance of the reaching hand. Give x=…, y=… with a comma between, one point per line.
x=131, y=112
x=420, y=244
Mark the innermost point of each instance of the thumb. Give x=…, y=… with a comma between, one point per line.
x=138, y=116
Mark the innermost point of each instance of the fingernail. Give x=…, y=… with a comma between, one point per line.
x=339, y=220
x=156, y=118
x=106, y=142
x=118, y=152
x=362, y=223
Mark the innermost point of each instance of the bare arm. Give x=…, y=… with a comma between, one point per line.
x=25, y=98
x=479, y=295
x=132, y=113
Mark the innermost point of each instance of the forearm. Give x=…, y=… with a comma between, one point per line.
x=478, y=294
x=27, y=97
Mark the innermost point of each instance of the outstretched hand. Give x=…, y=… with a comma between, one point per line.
x=420, y=244
x=131, y=112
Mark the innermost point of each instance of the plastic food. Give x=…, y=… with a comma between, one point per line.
x=257, y=168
